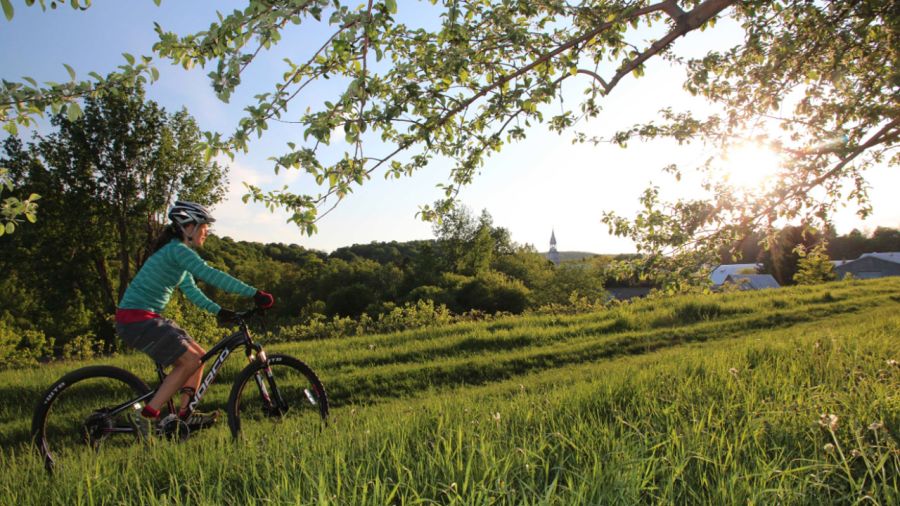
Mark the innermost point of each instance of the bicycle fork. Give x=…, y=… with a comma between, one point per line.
x=277, y=407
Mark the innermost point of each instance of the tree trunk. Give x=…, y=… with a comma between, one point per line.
x=110, y=301
x=124, y=257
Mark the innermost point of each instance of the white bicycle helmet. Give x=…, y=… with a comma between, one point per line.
x=185, y=213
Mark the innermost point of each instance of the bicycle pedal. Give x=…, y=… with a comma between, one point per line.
x=175, y=428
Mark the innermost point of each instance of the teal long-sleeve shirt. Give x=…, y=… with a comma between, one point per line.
x=176, y=265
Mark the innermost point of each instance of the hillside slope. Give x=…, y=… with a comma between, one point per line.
x=786, y=396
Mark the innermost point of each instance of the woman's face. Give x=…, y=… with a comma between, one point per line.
x=196, y=235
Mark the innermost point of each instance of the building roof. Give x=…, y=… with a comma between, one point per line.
x=719, y=274
x=752, y=281
x=889, y=256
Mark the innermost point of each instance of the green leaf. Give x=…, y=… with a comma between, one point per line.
x=73, y=111
x=391, y=6
x=7, y=9
x=10, y=227
x=128, y=58
x=70, y=70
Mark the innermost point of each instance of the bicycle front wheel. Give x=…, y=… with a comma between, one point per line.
x=285, y=392
x=84, y=409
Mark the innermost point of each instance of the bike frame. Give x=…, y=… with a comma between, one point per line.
x=223, y=349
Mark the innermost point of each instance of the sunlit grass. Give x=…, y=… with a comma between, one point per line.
x=703, y=399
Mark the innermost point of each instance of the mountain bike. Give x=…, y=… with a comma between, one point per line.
x=93, y=405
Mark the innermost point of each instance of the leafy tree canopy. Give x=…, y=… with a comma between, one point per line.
x=815, y=81
x=107, y=179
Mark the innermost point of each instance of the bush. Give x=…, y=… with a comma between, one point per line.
x=82, y=347
x=23, y=347
x=349, y=300
x=435, y=294
x=199, y=324
x=493, y=292
x=413, y=316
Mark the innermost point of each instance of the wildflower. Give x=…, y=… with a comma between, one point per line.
x=371, y=346
x=817, y=345
x=874, y=426
x=828, y=448
x=892, y=363
x=855, y=453
x=829, y=421
x=733, y=371
x=496, y=417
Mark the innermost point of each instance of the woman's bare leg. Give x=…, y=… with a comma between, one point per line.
x=185, y=367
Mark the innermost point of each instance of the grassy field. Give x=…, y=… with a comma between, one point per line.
x=775, y=397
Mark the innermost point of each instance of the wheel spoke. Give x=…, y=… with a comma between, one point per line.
x=77, y=412
x=287, y=393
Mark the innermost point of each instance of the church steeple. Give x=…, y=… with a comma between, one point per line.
x=553, y=255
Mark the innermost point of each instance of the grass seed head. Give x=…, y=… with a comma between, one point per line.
x=829, y=421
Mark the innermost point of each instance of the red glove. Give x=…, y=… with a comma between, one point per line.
x=263, y=300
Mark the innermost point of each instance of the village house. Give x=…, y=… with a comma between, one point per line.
x=869, y=266
x=751, y=281
x=718, y=275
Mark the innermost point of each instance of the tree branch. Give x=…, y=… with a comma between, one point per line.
x=684, y=23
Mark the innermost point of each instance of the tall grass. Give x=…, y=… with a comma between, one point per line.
x=786, y=396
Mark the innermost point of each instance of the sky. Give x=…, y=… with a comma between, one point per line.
x=531, y=188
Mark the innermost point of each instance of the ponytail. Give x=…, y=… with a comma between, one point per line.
x=169, y=232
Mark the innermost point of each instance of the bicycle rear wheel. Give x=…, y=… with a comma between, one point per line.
x=287, y=392
x=76, y=412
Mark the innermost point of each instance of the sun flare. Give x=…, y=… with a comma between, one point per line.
x=750, y=166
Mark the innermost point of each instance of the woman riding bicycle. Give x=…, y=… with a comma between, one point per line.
x=174, y=263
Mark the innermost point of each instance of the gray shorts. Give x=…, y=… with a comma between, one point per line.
x=160, y=338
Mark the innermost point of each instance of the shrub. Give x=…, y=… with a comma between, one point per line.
x=493, y=292
x=435, y=294
x=23, y=347
x=349, y=300
x=82, y=347
x=421, y=314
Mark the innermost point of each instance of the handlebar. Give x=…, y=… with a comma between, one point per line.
x=241, y=317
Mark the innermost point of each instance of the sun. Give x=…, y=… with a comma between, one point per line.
x=750, y=166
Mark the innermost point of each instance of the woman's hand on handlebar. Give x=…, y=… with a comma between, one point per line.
x=226, y=317
x=263, y=300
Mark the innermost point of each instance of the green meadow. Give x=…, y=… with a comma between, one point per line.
x=787, y=396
